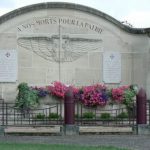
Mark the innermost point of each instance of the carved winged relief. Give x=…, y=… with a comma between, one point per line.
x=64, y=48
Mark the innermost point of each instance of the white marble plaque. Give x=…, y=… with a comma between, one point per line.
x=8, y=65
x=111, y=67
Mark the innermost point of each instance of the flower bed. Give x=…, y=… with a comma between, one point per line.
x=94, y=95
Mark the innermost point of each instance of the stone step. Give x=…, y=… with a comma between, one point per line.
x=33, y=130
x=105, y=130
x=56, y=130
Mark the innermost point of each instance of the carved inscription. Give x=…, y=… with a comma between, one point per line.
x=62, y=21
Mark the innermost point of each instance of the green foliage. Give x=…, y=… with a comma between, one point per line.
x=53, y=116
x=40, y=116
x=26, y=98
x=123, y=115
x=105, y=116
x=88, y=115
x=129, y=98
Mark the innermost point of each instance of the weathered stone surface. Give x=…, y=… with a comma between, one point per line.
x=87, y=76
x=143, y=129
x=9, y=92
x=33, y=76
x=66, y=42
x=102, y=129
x=70, y=130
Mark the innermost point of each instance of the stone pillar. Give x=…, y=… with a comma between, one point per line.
x=142, y=127
x=141, y=107
x=69, y=109
x=69, y=127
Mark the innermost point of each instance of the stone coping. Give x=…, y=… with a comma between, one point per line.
x=103, y=129
x=56, y=129
x=64, y=5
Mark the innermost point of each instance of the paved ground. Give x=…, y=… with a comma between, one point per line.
x=134, y=142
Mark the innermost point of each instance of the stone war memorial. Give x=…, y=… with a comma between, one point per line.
x=71, y=44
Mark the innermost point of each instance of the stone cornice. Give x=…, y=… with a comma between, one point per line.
x=53, y=5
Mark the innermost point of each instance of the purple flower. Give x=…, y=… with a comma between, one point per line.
x=42, y=93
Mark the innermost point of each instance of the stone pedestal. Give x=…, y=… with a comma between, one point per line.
x=69, y=127
x=1, y=130
x=142, y=129
x=70, y=130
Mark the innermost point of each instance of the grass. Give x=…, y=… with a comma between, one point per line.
x=14, y=146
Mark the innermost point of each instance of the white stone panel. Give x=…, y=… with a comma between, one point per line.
x=24, y=58
x=85, y=77
x=52, y=75
x=9, y=92
x=33, y=76
x=95, y=60
x=8, y=40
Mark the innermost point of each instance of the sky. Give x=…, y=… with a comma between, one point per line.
x=135, y=12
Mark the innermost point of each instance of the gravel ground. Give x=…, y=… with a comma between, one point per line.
x=134, y=142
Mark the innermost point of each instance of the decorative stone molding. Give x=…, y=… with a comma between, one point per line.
x=53, y=5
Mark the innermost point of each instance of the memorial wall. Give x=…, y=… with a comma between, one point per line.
x=74, y=44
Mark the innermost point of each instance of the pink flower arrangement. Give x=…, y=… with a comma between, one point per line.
x=94, y=95
x=58, y=89
x=118, y=94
